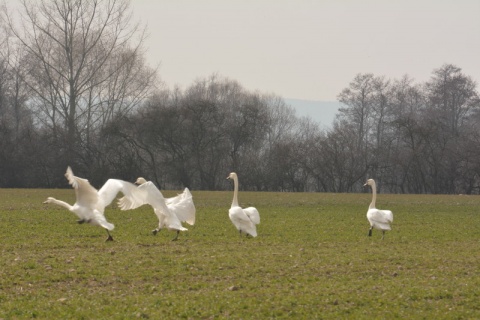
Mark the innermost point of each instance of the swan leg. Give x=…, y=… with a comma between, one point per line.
x=383, y=234
x=110, y=238
x=370, y=232
x=81, y=221
x=154, y=232
x=176, y=236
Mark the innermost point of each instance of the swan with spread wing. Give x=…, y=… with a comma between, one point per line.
x=171, y=212
x=90, y=204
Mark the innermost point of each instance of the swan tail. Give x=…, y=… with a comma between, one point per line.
x=109, y=226
x=382, y=226
x=389, y=215
x=102, y=221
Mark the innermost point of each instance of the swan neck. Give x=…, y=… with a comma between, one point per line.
x=374, y=196
x=62, y=204
x=235, y=192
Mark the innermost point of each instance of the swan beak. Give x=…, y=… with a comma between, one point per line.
x=228, y=178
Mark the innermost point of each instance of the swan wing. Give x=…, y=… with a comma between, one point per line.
x=100, y=220
x=86, y=195
x=380, y=218
x=241, y=221
x=113, y=186
x=183, y=207
x=149, y=194
x=253, y=214
x=134, y=198
x=173, y=200
x=155, y=198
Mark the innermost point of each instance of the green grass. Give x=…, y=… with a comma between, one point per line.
x=311, y=260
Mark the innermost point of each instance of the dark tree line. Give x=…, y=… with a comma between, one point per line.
x=75, y=90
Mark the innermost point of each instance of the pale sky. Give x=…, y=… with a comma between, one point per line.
x=308, y=49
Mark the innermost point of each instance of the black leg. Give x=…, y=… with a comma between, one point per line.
x=176, y=236
x=383, y=234
x=110, y=238
x=154, y=232
x=370, y=232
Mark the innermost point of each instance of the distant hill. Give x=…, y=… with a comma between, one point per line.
x=322, y=112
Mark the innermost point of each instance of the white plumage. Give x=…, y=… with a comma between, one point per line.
x=182, y=206
x=90, y=204
x=245, y=220
x=379, y=219
x=170, y=212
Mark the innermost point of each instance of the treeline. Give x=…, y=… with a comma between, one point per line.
x=80, y=94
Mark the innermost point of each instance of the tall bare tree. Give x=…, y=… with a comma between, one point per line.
x=81, y=54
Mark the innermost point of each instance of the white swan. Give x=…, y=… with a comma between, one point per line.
x=181, y=205
x=379, y=219
x=244, y=219
x=147, y=193
x=90, y=204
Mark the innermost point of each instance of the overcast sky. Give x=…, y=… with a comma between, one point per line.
x=308, y=49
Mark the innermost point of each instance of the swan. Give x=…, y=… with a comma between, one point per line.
x=90, y=204
x=148, y=193
x=181, y=205
x=379, y=219
x=244, y=219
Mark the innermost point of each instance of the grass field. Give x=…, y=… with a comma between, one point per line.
x=311, y=260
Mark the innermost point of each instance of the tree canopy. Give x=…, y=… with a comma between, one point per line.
x=75, y=90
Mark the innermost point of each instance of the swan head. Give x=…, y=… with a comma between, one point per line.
x=370, y=182
x=140, y=181
x=232, y=175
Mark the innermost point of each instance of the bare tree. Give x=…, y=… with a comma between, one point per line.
x=77, y=49
x=358, y=101
x=452, y=96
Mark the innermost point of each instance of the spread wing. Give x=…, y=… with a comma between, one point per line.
x=182, y=206
x=113, y=186
x=148, y=193
x=86, y=195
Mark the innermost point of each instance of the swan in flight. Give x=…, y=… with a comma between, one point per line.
x=90, y=204
x=170, y=212
x=379, y=219
x=244, y=219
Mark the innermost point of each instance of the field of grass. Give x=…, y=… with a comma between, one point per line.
x=311, y=260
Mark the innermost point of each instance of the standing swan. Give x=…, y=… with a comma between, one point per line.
x=379, y=219
x=244, y=219
x=147, y=193
x=90, y=204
